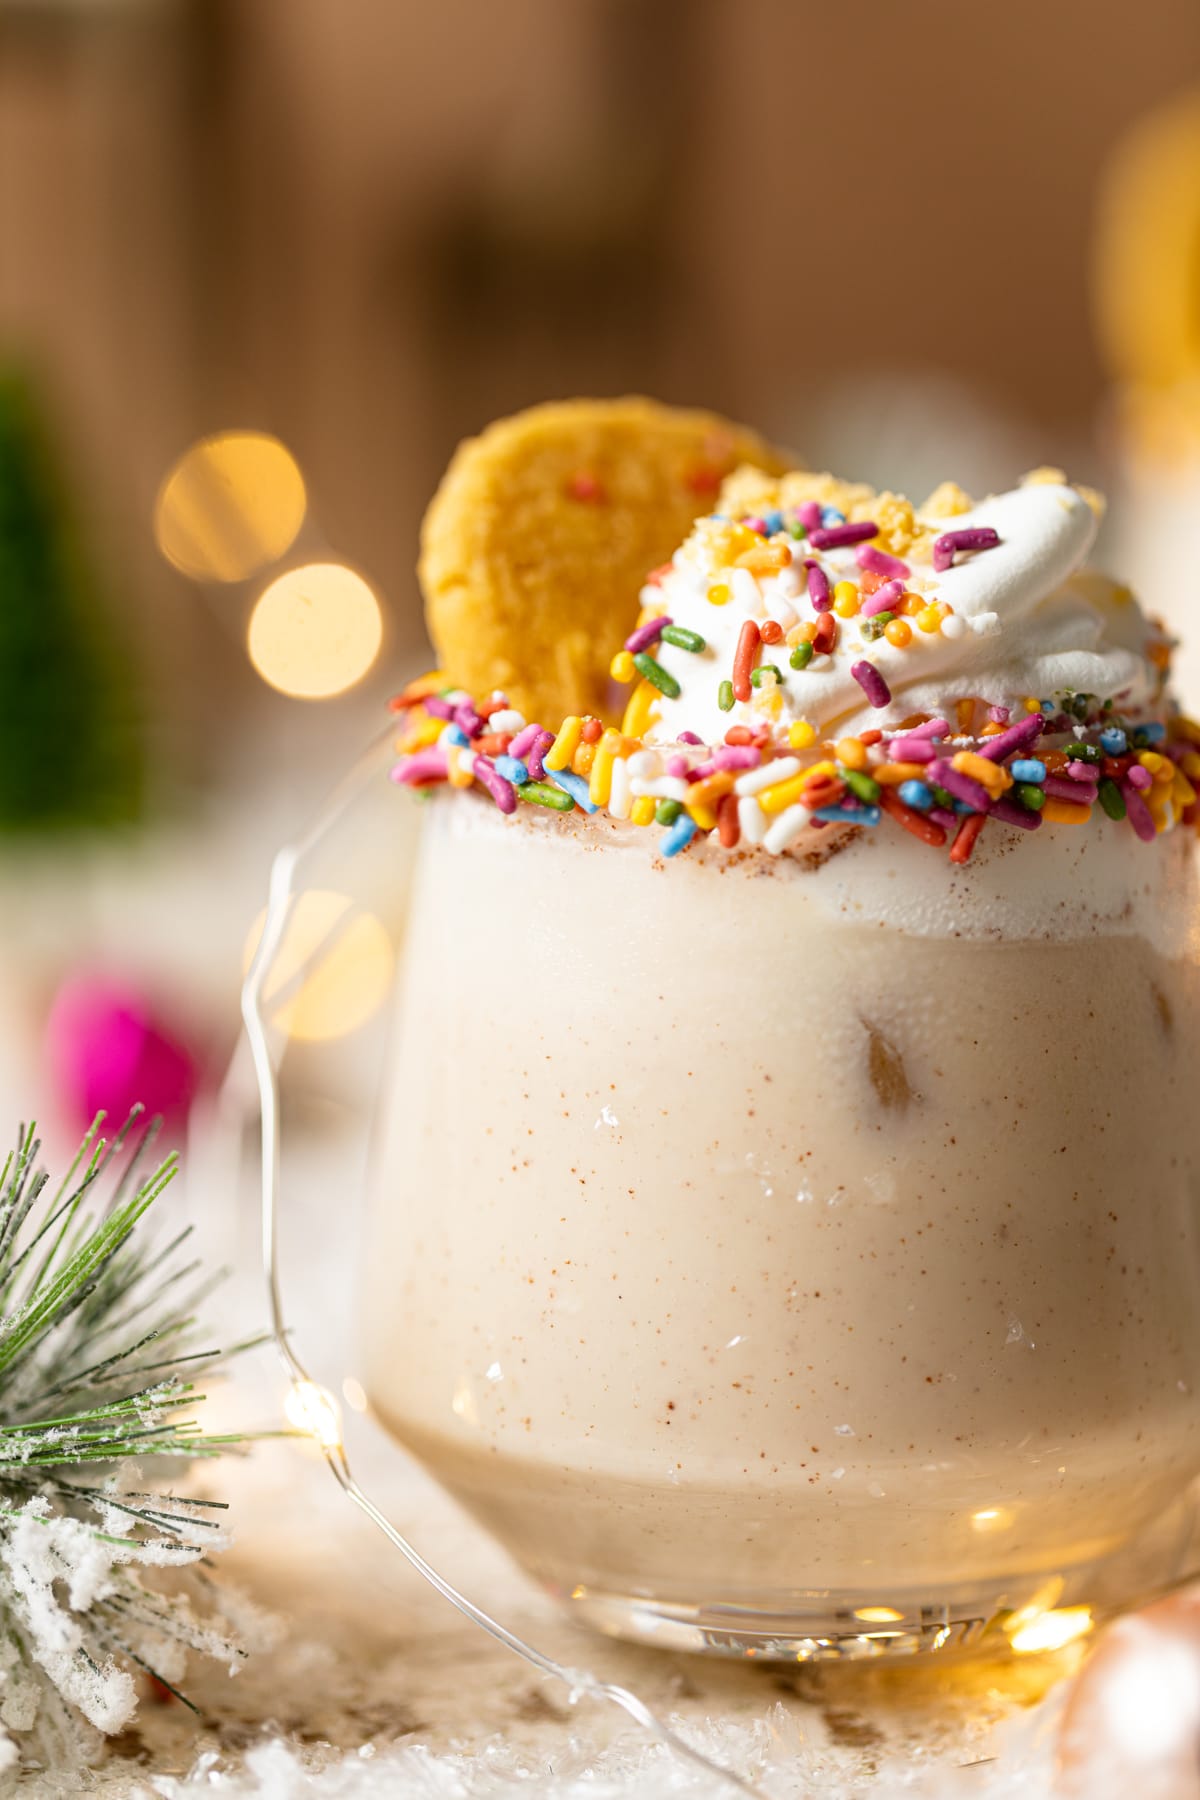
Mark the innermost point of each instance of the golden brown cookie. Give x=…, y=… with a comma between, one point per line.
x=543, y=530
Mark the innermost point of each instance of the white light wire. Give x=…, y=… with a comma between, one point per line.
x=281, y=891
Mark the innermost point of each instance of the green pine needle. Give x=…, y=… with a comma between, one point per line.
x=98, y=1350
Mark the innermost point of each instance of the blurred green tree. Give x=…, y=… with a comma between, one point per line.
x=71, y=751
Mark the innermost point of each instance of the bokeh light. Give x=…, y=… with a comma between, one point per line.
x=347, y=964
x=232, y=504
x=315, y=631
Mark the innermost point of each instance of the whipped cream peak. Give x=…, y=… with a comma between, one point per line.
x=1018, y=618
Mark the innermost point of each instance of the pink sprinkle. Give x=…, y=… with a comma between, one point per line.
x=533, y=762
x=881, y=562
x=423, y=765
x=1081, y=771
x=524, y=740
x=932, y=728
x=998, y=715
x=437, y=708
x=689, y=737
x=1012, y=814
x=941, y=815
x=646, y=634
x=735, y=756
x=1141, y=778
x=883, y=599
x=468, y=719
x=972, y=537
x=677, y=766
x=911, y=749
x=963, y=787
x=871, y=682
x=1015, y=738
x=1136, y=810
x=759, y=525
x=818, y=587
x=839, y=537
x=502, y=792
x=1058, y=789
x=809, y=514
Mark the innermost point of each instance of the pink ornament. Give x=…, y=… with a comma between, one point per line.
x=107, y=1051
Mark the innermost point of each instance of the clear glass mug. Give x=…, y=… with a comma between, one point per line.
x=778, y=1273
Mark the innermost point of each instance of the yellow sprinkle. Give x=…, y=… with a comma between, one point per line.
x=1182, y=791
x=891, y=774
x=801, y=734
x=784, y=793
x=1032, y=705
x=988, y=774
x=565, y=744
x=1065, y=812
x=765, y=559
x=768, y=700
x=638, y=712
x=584, y=757
x=718, y=594
x=803, y=633
x=964, y=712
x=422, y=733
x=704, y=816
x=845, y=599
x=621, y=667
x=642, y=811
x=929, y=619
x=600, y=785
x=851, y=752
x=459, y=763
x=1190, y=764
x=1160, y=767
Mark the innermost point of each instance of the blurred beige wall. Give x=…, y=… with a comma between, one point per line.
x=369, y=225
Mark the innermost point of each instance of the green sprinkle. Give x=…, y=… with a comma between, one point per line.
x=1032, y=797
x=801, y=656
x=759, y=675
x=667, y=811
x=683, y=639
x=874, y=627
x=654, y=672
x=1088, y=753
x=1111, y=799
x=541, y=793
x=860, y=784
x=798, y=531
x=943, y=798
x=725, y=696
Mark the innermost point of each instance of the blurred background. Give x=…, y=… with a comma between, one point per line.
x=263, y=263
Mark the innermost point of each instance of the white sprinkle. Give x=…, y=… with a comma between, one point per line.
x=664, y=787
x=983, y=625
x=620, y=798
x=786, y=828
x=767, y=775
x=509, y=720
x=644, y=763
x=744, y=590
x=752, y=820
x=953, y=626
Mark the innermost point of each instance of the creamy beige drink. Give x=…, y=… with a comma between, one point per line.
x=800, y=1250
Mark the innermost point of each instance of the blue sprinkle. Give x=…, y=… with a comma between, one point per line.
x=831, y=516
x=1153, y=733
x=773, y=521
x=1048, y=708
x=574, y=785
x=1028, y=768
x=1113, y=741
x=860, y=815
x=512, y=769
x=681, y=832
x=916, y=793
x=963, y=806
x=454, y=734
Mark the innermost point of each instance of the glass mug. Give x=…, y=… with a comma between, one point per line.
x=796, y=1260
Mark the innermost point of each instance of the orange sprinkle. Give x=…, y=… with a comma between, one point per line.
x=771, y=631
x=744, y=659
x=891, y=774
x=926, y=829
x=965, y=836
x=825, y=636
x=898, y=633
x=739, y=734
x=804, y=633
x=713, y=788
x=852, y=752
x=591, y=731
x=729, y=828
x=911, y=604
x=494, y=743
x=870, y=737
x=964, y=712
x=1066, y=812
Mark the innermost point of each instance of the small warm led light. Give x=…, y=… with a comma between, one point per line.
x=878, y=1615
x=231, y=505
x=354, y=1394
x=314, y=1411
x=347, y=962
x=1053, y=1630
x=315, y=631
